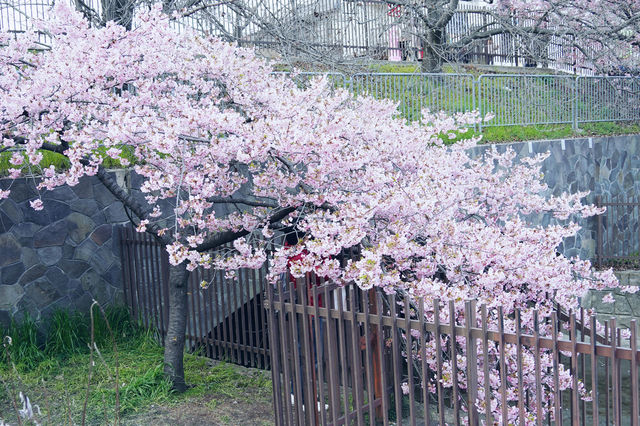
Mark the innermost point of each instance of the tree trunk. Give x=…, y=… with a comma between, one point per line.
x=433, y=51
x=174, y=342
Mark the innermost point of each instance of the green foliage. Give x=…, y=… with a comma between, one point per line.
x=24, y=350
x=65, y=335
x=53, y=370
x=60, y=162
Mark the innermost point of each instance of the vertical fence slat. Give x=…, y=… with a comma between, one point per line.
x=634, y=374
x=424, y=377
x=472, y=364
x=594, y=373
x=342, y=349
x=614, y=371
x=334, y=386
x=356, y=368
x=436, y=319
x=503, y=368
x=395, y=348
x=320, y=354
x=454, y=363
x=297, y=373
x=536, y=357
x=369, y=344
x=276, y=375
x=409, y=356
x=381, y=351
x=487, y=379
x=307, y=355
x=521, y=413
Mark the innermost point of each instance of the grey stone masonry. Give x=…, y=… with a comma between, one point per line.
x=626, y=305
x=605, y=166
x=63, y=256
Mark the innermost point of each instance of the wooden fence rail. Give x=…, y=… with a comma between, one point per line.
x=341, y=358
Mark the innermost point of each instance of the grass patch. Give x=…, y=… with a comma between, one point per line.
x=60, y=162
x=559, y=131
x=52, y=371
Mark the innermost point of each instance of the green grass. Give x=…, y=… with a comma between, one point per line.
x=53, y=371
x=60, y=162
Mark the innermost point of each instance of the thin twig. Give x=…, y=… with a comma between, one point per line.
x=91, y=345
x=6, y=343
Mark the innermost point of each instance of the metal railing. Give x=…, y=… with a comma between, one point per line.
x=513, y=99
x=340, y=28
x=348, y=356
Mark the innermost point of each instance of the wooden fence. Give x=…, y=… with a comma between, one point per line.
x=618, y=232
x=226, y=318
x=339, y=358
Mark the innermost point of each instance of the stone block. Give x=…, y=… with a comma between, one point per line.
x=634, y=279
x=11, y=273
x=95, y=286
x=49, y=256
x=623, y=277
x=79, y=226
x=9, y=249
x=25, y=230
x=621, y=306
x=102, y=234
x=85, y=206
x=11, y=210
x=85, y=250
x=32, y=274
x=42, y=292
x=599, y=305
x=58, y=278
x=102, y=195
x=52, y=235
x=10, y=295
x=102, y=259
x=115, y=213
x=84, y=188
x=29, y=257
x=73, y=268
x=61, y=193
x=22, y=190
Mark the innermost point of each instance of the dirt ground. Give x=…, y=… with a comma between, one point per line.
x=206, y=411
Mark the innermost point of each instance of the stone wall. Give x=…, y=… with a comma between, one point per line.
x=626, y=306
x=607, y=166
x=63, y=256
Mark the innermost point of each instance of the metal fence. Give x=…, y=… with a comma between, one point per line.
x=348, y=356
x=513, y=99
x=618, y=232
x=339, y=28
x=226, y=318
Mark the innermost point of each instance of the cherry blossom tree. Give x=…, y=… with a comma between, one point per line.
x=206, y=125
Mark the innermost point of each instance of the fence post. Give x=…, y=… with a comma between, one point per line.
x=574, y=104
x=472, y=364
x=476, y=98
